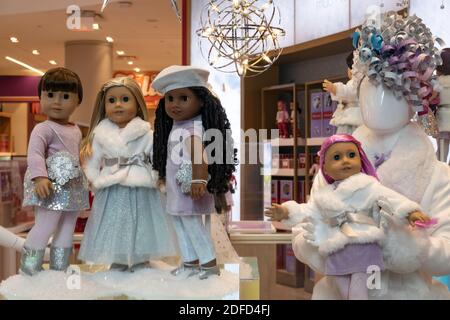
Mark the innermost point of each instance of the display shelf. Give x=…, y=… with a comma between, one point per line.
x=285, y=142
x=287, y=172
x=315, y=141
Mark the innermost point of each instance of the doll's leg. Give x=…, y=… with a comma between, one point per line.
x=46, y=222
x=187, y=249
x=358, y=287
x=203, y=244
x=343, y=285
x=61, y=248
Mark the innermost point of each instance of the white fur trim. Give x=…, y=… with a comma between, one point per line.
x=111, y=142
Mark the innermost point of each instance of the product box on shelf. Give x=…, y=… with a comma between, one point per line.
x=275, y=188
x=286, y=190
x=300, y=191
x=301, y=161
x=316, y=114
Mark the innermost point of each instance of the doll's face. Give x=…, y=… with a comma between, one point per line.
x=120, y=106
x=182, y=104
x=342, y=160
x=280, y=105
x=58, y=105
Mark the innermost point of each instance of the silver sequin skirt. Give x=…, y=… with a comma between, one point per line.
x=70, y=187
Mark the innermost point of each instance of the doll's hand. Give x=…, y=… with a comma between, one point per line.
x=417, y=216
x=43, y=187
x=197, y=190
x=161, y=185
x=276, y=212
x=329, y=86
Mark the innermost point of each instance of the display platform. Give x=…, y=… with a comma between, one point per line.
x=88, y=282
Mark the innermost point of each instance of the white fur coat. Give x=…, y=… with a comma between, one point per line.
x=411, y=256
x=356, y=194
x=111, y=142
x=348, y=111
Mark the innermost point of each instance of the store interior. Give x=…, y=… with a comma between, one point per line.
x=100, y=40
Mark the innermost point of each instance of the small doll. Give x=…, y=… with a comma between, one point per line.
x=54, y=183
x=347, y=116
x=127, y=225
x=345, y=214
x=443, y=111
x=283, y=119
x=185, y=116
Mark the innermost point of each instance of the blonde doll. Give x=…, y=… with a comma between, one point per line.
x=127, y=225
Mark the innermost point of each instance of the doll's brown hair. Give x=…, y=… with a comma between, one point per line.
x=61, y=79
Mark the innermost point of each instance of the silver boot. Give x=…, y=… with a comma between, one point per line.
x=59, y=258
x=205, y=272
x=118, y=267
x=31, y=261
x=193, y=268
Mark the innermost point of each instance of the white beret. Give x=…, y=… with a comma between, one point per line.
x=177, y=77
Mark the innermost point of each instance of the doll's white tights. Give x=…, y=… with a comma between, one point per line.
x=48, y=223
x=353, y=286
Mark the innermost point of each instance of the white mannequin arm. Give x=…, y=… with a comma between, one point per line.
x=10, y=240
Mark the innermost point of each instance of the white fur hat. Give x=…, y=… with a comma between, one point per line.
x=177, y=77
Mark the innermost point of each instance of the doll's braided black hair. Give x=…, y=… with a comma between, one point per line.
x=213, y=117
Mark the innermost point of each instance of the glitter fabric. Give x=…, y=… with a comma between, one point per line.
x=127, y=226
x=184, y=176
x=31, y=260
x=71, y=195
x=59, y=258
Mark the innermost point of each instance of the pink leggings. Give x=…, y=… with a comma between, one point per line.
x=48, y=223
x=353, y=286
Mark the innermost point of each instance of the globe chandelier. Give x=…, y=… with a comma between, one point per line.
x=241, y=36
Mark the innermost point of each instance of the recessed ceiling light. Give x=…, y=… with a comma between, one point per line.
x=35, y=52
x=130, y=63
x=137, y=69
x=14, y=39
x=109, y=39
x=95, y=26
x=120, y=52
x=24, y=65
x=52, y=62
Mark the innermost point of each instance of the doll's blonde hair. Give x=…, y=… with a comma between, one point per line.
x=99, y=112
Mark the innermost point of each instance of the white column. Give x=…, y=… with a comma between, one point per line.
x=92, y=60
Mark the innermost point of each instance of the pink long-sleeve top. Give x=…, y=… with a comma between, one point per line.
x=46, y=139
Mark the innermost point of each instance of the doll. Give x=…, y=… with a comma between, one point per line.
x=193, y=179
x=127, y=225
x=346, y=215
x=347, y=116
x=443, y=111
x=283, y=119
x=54, y=183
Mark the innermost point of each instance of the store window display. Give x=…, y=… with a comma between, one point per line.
x=54, y=183
x=405, y=161
x=192, y=179
x=127, y=225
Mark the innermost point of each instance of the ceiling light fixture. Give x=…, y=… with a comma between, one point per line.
x=120, y=52
x=53, y=62
x=109, y=39
x=137, y=69
x=130, y=63
x=35, y=52
x=14, y=40
x=240, y=36
x=95, y=26
x=24, y=65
